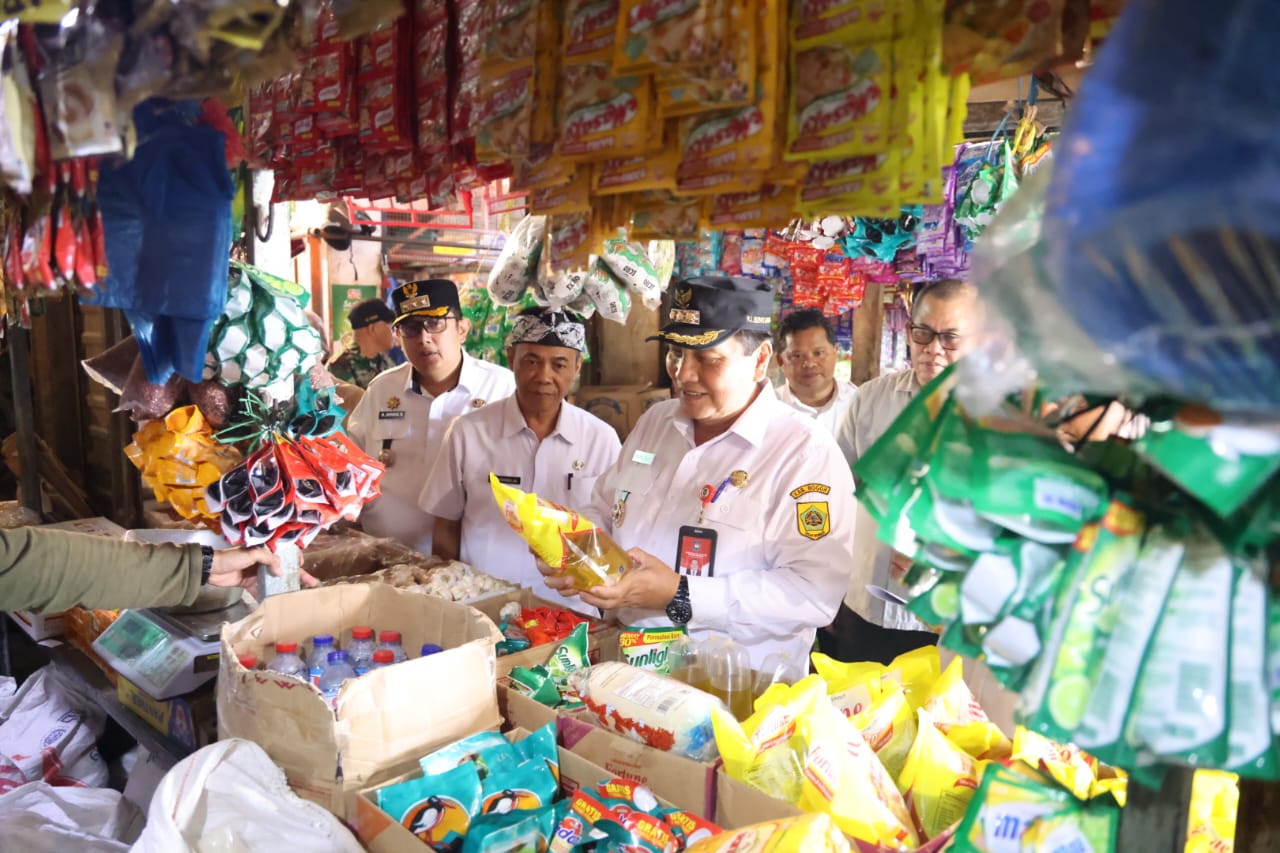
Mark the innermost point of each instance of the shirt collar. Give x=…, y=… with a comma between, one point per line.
x=906, y=382
x=468, y=377
x=513, y=420
x=750, y=425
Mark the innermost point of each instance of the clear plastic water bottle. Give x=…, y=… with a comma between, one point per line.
x=338, y=671
x=381, y=658
x=361, y=648
x=391, y=640
x=318, y=660
x=287, y=661
x=430, y=649
x=249, y=661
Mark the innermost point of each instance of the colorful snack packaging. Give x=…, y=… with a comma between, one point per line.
x=468, y=751
x=656, y=35
x=516, y=266
x=916, y=671
x=525, y=786
x=560, y=537
x=1095, y=827
x=646, y=648
x=649, y=708
x=535, y=682
x=938, y=779
x=1250, y=748
x=1005, y=806
x=689, y=828
x=607, y=292
x=1069, y=766
x=576, y=823
x=630, y=264
x=569, y=657
x=437, y=809
x=951, y=702
x=541, y=745
x=810, y=833
x=1211, y=825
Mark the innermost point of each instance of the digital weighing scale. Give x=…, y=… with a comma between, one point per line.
x=167, y=651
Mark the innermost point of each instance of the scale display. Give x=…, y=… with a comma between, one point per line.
x=161, y=659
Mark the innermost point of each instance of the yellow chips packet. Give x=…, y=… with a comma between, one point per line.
x=938, y=779
x=562, y=538
x=178, y=457
x=1071, y=767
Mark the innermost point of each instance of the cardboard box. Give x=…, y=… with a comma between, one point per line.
x=602, y=638
x=620, y=406
x=379, y=832
x=385, y=720
x=190, y=720
x=44, y=626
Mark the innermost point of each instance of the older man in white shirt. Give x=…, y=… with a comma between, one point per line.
x=736, y=509
x=807, y=356
x=532, y=440
x=402, y=417
x=943, y=325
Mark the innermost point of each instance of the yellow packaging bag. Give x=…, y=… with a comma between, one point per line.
x=916, y=671
x=844, y=183
x=636, y=174
x=602, y=116
x=542, y=168
x=889, y=728
x=810, y=833
x=762, y=208
x=571, y=197
x=1211, y=822
x=561, y=537
x=938, y=779
x=504, y=126
x=1071, y=767
x=730, y=80
x=843, y=777
x=983, y=741
x=178, y=457
x=766, y=751
x=852, y=687
x=661, y=216
x=951, y=702
x=656, y=34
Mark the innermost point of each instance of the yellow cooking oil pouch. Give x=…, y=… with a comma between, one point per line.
x=889, y=728
x=916, y=671
x=844, y=778
x=562, y=538
x=938, y=780
x=852, y=687
x=766, y=751
x=1071, y=767
x=951, y=702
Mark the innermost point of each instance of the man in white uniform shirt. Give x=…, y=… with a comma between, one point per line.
x=532, y=440
x=807, y=356
x=943, y=323
x=736, y=510
x=403, y=416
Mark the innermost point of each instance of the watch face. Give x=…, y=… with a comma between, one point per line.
x=680, y=611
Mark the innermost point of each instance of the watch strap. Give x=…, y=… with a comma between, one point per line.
x=206, y=564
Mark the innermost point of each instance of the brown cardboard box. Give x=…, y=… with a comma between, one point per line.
x=381, y=833
x=386, y=720
x=737, y=804
x=619, y=405
x=602, y=638
x=188, y=720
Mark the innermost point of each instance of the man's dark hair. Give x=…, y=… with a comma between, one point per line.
x=751, y=340
x=947, y=288
x=801, y=319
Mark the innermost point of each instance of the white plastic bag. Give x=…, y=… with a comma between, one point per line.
x=231, y=798
x=50, y=730
x=39, y=818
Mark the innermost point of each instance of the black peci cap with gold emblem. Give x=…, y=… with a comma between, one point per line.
x=434, y=297
x=707, y=310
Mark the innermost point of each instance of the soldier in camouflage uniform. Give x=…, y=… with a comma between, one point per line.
x=374, y=349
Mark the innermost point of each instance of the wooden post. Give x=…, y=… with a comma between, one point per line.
x=24, y=417
x=868, y=327
x=1157, y=820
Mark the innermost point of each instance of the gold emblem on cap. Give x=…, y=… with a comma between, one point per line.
x=393, y=403
x=410, y=289
x=684, y=315
x=475, y=404
x=739, y=478
x=579, y=464
x=682, y=297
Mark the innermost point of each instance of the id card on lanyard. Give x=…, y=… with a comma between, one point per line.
x=696, y=551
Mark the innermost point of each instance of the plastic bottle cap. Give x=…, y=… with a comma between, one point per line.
x=249, y=661
x=322, y=640
x=337, y=657
x=431, y=649
x=362, y=632
x=286, y=648
x=384, y=656
x=389, y=637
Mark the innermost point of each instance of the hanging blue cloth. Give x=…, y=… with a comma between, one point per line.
x=166, y=218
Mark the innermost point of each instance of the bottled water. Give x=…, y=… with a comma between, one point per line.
x=287, y=661
x=249, y=661
x=338, y=671
x=321, y=645
x=361, y=648
x=381, y=658
x=430, y=649
x=391, y=640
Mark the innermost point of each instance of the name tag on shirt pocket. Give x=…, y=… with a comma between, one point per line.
x=508, y=481
x=391, y=414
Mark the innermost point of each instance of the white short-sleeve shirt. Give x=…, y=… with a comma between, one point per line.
x=784, y=538
x=395, y=409
x=562, y=468
x=827, y=415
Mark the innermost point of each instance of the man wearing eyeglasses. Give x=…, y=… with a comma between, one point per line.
x=403, y=416
x=943, y=324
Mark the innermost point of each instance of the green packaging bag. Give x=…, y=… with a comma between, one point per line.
x=1180, y=711
x=1223, y=468
x=1140, y=602
x=1251, y=749
x=1004, y=809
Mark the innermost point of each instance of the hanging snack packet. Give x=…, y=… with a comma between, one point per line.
x=1074, y=664
x=607, y=292
x=810, y=833
x=649, y=708
x=569, y=241
x=1181, y=700
x=517, y=264
x=563, y=539
x=437, y=809
x=661, y=216
x=630, y=264
x=938, y=779
x=646, y=648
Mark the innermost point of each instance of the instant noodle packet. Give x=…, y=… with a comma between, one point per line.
x=563, y=539
x=938, y=779
x=810, y=833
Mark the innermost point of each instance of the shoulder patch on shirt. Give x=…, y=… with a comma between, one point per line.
x=813, y=519
x=810, y=488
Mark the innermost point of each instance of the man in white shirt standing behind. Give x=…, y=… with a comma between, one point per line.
x=402, y=418
x=532, y=440
x=807, y=355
